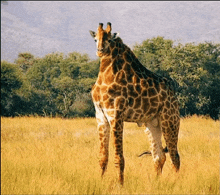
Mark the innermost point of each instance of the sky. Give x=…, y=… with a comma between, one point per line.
x=42, y=27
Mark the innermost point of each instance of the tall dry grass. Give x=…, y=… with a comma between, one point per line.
x=60, y=156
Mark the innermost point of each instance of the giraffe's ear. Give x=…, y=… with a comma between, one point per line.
x=114, y=36
x=92, y=33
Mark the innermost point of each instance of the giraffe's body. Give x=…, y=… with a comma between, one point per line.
x=126, y=91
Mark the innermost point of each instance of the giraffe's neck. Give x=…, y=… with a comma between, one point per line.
x=117, y=56
x=120, y=54
x=121, y=57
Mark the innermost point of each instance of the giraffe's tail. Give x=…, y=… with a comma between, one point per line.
x=165, y=150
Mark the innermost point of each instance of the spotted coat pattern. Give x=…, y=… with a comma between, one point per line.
x=126, y=91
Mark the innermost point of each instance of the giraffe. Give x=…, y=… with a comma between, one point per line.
x=125, y=91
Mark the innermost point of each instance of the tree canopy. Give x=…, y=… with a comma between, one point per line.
x=60, y=85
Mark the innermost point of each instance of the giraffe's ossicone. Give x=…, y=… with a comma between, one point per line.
x=126, y=91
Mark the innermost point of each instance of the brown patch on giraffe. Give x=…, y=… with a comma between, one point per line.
x=120, y=78
x=128, y=72
x=150, y=82
x=144, y=83
x=144, y=93
x=139, y=111
x=103, y=88
x=154, y=101
x=116, y=133
x=115, y=67
x=105, y=97
x=138, y=88
x=152, y=111
x=135, y=79
x=95, y=93
x=136, y=67
x=114, y=52
x=118, y=44
x=111, y=112
x=114, y=91
x=167, y=104
x=131, y=91
x=171, y=125
x=112, y=44
x=131, y=101
x=171, y=93
x=127, y=57
x=164, y=124
x=104, y=64
x=172, y=110
x=99, y=80
x=171, y=118
x=163, y=86
x=124, y=92
x=145, y=104
x=120, y=103
x=163, y=96
x=165, y=110
x=112, y=122
x=101, y=135
x=129, y=78
x=175, y=104
x=166, y=117
x=127, y=68
x=116, y=87
x=108, y=76
x=120, y=63
x=173, y=99
x=136, y=116
x=130, y=113
x=109, y=103
x=177, y=112
x=120, y=51
x=137, y=103
x=157, y=86
x=152, y=92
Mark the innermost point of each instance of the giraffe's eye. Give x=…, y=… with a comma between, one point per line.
x=95, y=40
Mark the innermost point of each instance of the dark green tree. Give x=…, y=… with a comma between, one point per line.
x=25, y=61
x=11, y=81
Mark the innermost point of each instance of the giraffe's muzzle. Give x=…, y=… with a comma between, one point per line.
x=100, y=50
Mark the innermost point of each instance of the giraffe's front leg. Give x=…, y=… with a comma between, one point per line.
x=104, y=133
x=117, y=129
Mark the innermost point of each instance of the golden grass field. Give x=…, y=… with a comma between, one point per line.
x=60, y=156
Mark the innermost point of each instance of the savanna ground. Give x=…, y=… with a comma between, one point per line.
x=60, y=156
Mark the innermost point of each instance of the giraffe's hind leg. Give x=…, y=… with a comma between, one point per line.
x=170, y=129
x=154, y=134
x=104, y=134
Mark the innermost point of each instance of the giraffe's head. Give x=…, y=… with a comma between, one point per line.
x=103, y=38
